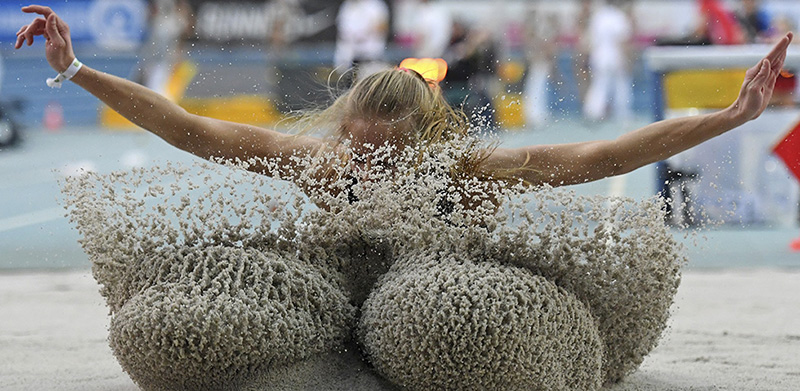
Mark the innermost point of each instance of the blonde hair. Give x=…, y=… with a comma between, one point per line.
x=403, y=100
x=399, y=98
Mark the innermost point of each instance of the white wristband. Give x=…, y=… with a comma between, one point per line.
x=66, y=75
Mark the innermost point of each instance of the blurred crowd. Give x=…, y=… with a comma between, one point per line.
x=603, y=41
x=587, y=50
x=721, y=25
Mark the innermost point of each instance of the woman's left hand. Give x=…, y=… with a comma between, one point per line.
x=759, y=81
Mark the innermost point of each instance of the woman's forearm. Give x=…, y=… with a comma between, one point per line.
x=137, y=103
x=588, y=161
x=663, y=139
x=565, y=164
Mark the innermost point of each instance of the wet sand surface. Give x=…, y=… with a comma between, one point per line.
x=730, y=330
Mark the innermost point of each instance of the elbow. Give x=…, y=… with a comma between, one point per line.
x=180, y=139
x=618, y=158
x=177, y=137
x=598, y=159
x=610, y=162
x=617, y=167
x=182, y=132
x=196, y=143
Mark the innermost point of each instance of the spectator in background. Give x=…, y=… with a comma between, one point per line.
x=787, y=88
x=781, y=25
x=540, y=48
x=282, y=13
x=754, y=21
x=1, y=74
x=582, y=46
x=471, y=59
x=719, y=25
x=170, y=25
x=2, y=114
x=9, y=130
x=432, y=29
x=363, y=28
x=610, y=32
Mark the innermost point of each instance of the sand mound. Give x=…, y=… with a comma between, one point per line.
x=220, y=278
x=614, y=255
x=440, y=323
x=226, y=315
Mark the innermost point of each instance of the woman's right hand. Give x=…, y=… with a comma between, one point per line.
x=759, y=82
x=58, y=44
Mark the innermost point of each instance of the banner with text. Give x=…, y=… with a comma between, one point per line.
x=285, y=21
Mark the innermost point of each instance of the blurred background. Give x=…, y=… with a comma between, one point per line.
x=530, y=72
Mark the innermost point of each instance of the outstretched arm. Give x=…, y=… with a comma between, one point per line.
x=566, y=164
x=201, y=136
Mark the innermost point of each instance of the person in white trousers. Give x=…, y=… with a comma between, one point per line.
x=433, y=30
x=363, y=28
x=541, y=51
x=610, y=31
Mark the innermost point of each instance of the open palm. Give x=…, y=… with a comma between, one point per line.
x=58, y=44
x=759, y=82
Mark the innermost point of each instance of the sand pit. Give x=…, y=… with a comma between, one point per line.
x=730, y=330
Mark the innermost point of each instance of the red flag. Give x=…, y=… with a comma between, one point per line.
x=788, y=150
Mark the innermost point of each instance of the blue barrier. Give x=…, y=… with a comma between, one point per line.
x=118, y=24
x=24, y=79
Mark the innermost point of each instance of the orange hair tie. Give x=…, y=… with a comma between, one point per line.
x=431, y=69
